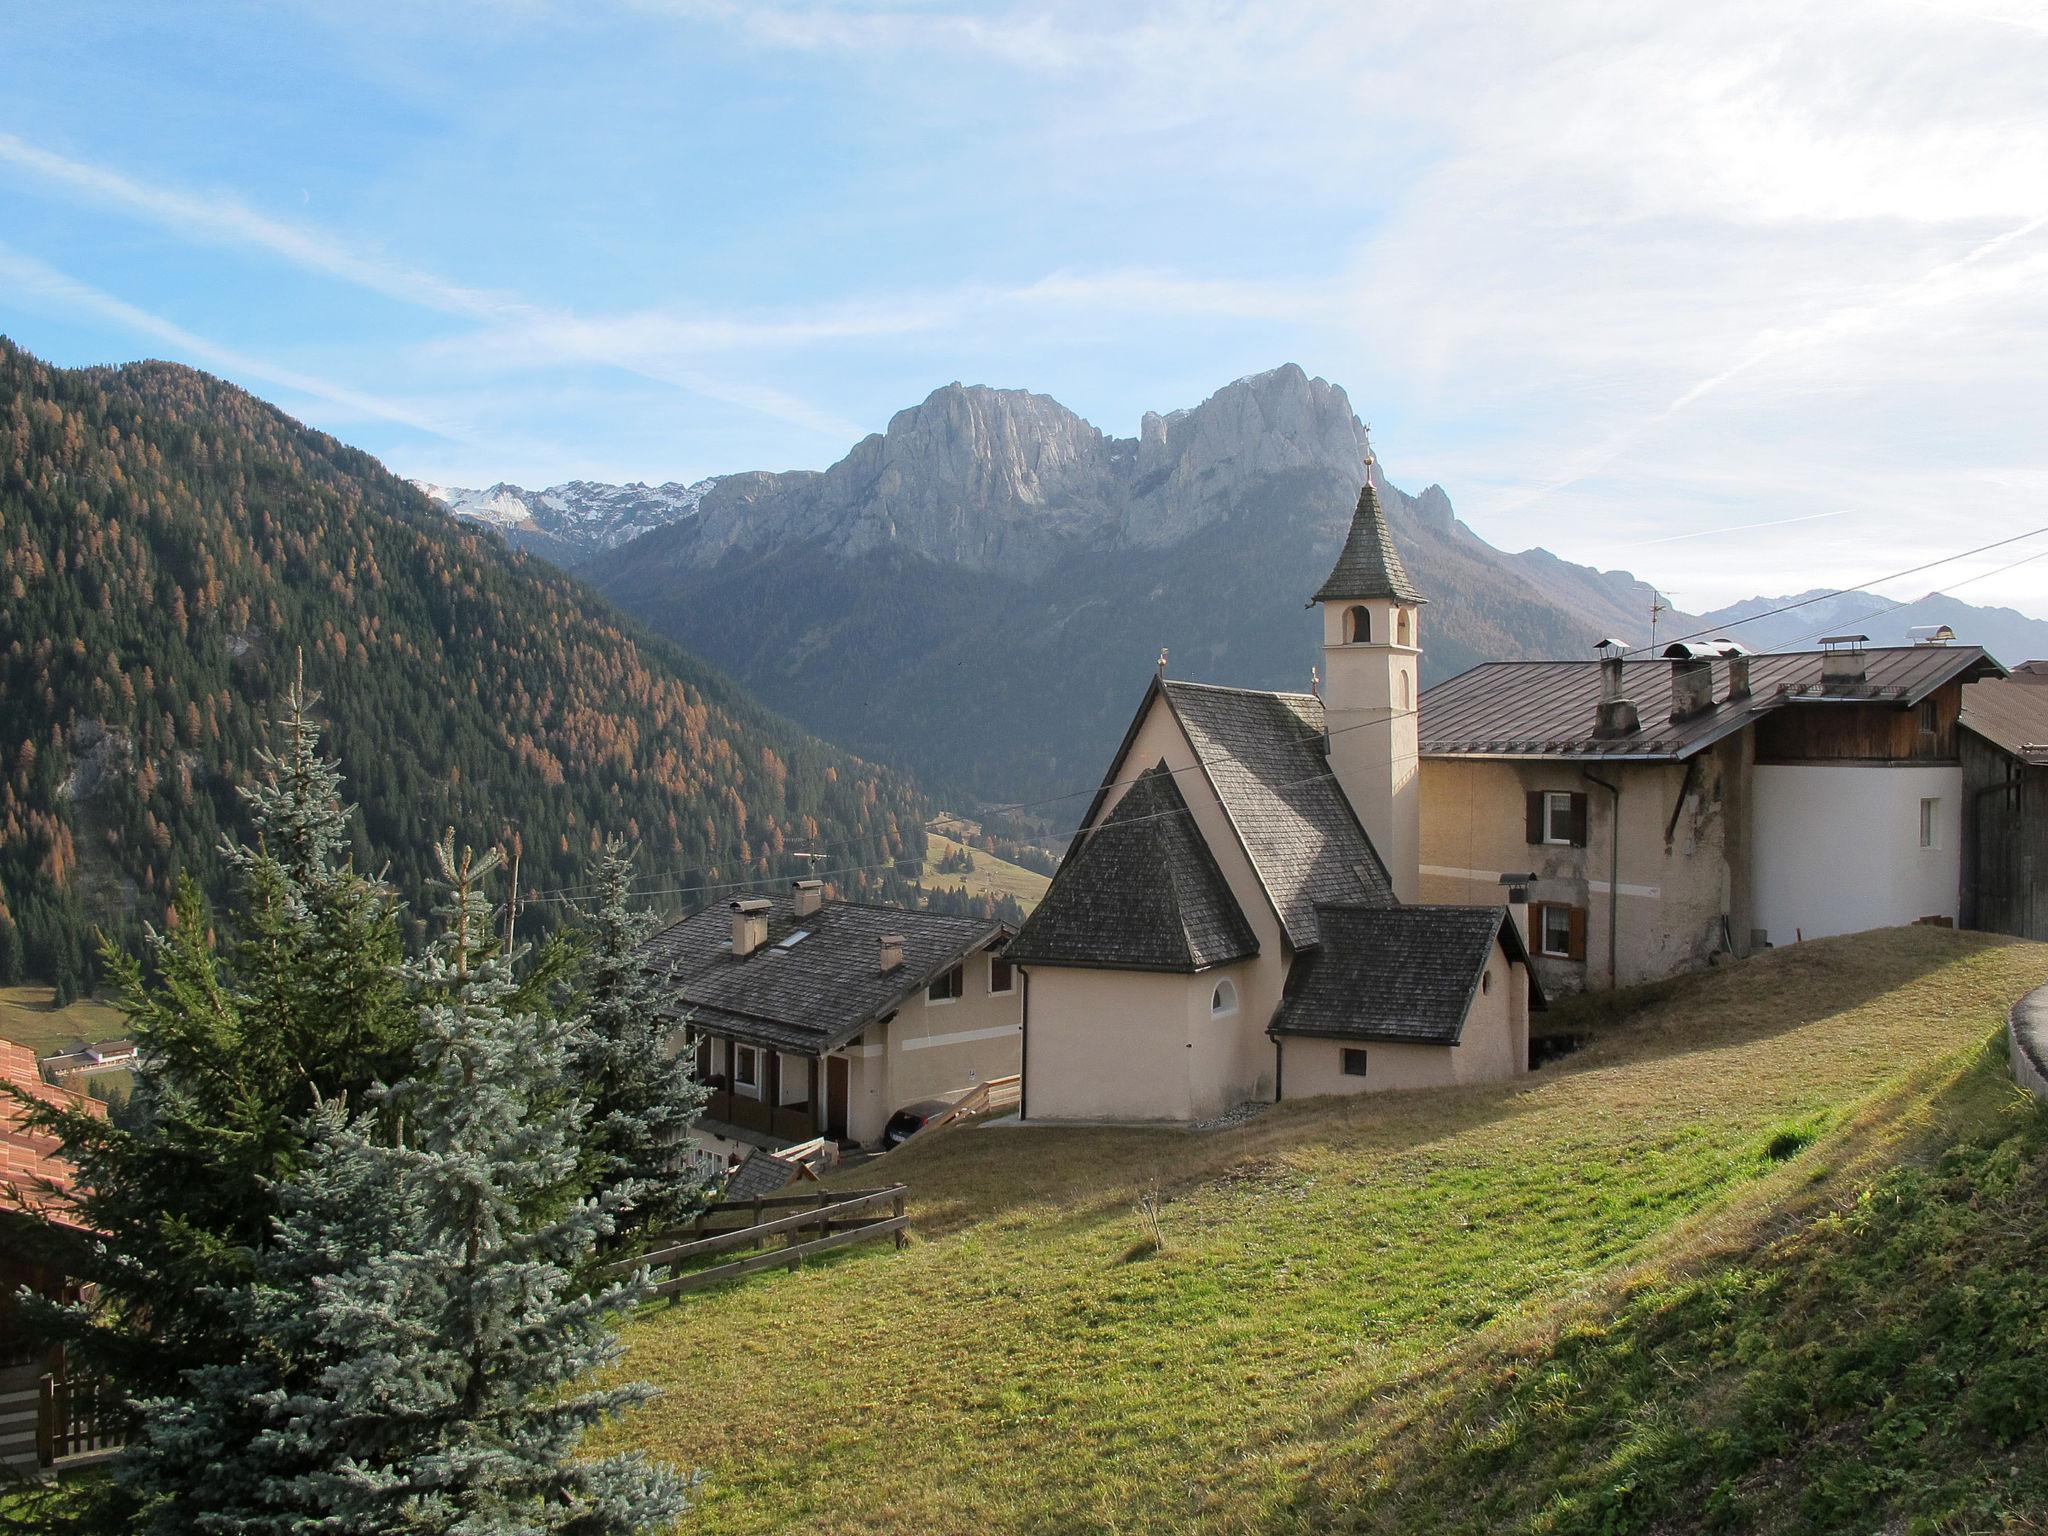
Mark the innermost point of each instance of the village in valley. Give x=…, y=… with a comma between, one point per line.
x=1012, y=978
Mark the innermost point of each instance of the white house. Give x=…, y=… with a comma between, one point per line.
x=1233, y=921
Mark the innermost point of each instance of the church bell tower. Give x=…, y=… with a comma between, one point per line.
x=1371, y=648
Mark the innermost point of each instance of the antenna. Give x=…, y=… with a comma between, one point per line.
x=1657, y=607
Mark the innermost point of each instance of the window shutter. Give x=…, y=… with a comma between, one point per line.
x=1532, y=804
x=1578, y=821
x=1578, y=920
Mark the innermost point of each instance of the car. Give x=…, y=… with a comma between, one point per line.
x=911, y=1119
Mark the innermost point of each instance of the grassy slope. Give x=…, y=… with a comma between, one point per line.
x=27, y=1018
x=1355, y=1315
x=990, y=876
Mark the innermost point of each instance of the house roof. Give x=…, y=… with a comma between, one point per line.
x=1141, y=891
x=1542, y=709
x=816, y=993
x=2012, y=712
x=34, y=1176
x=1396, y=974
x=1369, y=565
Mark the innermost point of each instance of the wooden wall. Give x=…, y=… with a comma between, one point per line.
x=2005, y=842
x=1861, y=733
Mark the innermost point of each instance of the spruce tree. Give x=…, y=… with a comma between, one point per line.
x=415, y=1332
x=643, y=1098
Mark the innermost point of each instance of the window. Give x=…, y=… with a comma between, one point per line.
x=1563, y=819
x=1406, y=630
x=1407, y=692
x=746, y=1071
x=1358, y=626
x=1486, y=982
x=1002, y=977
x=1930, y=823
x=1560, y=931
x=947, y=988
x=1354, y=1062
x=1224, y=999
x=1930, y=719
x=794, y=939
x=795, y=1081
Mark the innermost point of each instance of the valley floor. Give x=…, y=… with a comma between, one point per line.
x=1615, y=1295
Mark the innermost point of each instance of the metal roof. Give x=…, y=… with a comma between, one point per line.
x=2012, y=713
x=1545, y=709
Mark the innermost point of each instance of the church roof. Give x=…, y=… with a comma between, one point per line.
x=1397, y=974
x=1140, y=892
x=1369, y=565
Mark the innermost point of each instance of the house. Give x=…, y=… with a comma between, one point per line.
x=1706, y=802
x=811, y=1017
x=35, y=1181
x=1233, y=920
x=2005, y=803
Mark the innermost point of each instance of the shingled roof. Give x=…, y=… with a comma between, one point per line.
x=1399, y=974
x=1140, y=892
x=1540, y=709
x=1368, y=565
x=805, y=995
x=2012, y=713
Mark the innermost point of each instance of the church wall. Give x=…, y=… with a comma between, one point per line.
x=1109, y=1045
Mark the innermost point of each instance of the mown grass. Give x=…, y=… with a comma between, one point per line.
x=1337, y=1286
x=29, y=1017
x=991, y=876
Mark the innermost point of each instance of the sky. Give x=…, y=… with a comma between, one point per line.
x=1746, y=298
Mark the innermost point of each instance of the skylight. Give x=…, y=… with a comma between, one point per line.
x=794, y=939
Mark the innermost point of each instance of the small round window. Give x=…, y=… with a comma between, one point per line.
x=1224, y=999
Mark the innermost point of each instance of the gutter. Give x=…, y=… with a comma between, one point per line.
x=1613, y=881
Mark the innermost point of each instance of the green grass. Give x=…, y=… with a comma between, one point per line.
x=1357, y=1306
x=991, y=876
x=27, y=1018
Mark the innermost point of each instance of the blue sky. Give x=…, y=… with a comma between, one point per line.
x=1621, y=278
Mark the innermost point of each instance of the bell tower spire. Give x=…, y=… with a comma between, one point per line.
x=1371, y=650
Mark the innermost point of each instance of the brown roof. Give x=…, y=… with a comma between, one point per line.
x=1539, y=709
x=33, y=1174
x=2012, y=713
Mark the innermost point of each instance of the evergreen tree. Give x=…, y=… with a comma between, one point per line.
x=643, y=1099
x=414, y=1333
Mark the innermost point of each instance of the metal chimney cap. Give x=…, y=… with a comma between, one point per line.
x=1728, y=647
x=1611, y=644
x=751, y=906
x=1685, y=650
x=1850, y=640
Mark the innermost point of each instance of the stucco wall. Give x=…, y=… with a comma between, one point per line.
x=1495, y=1046
x=1369, y=693
x=933, y=1050
x=1837, y=847
x=1673, y=894
x=1111, y=1045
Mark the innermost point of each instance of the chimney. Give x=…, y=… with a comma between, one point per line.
x=806, y=897
x=1841, y=660
x=1737, y=655
x=1616, y=715
x=892, y=952
x=1692, y=678
x=1931, y=634
x=749, y=926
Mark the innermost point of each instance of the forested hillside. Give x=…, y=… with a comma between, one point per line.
x=169, y=542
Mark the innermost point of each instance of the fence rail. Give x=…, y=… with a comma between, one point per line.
x=839, y=1218
x=72, y=1428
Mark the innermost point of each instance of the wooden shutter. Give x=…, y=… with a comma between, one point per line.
x=1578, y=944
x=1533, y=808
x=1578, y=821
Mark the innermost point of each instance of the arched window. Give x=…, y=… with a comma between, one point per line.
x=1405, y=628
x=1407, y=692
x=1358, y=626
x=1223, y=1000
x=1486, y=980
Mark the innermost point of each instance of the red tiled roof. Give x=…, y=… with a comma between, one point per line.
x=33, y=1176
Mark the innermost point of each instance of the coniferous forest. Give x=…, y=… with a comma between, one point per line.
x=170, y=546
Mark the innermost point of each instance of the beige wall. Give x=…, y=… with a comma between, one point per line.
x=1111, y=1045
x=933, y=1050
x=1673, y=894
x=1369, y=693
x=1495, y=1045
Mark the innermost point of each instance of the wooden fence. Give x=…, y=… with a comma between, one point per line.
x=72, y=1431
x=839, y=1218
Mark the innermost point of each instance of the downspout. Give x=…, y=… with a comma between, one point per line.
x=1279, y=1059
x=1613, y=883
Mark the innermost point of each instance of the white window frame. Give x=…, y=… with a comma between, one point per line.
x=993, y=989
x=1930, y=823
x=1555, y=800
x=1564, y=950
x=946, y=975
x=1224, y=1001
x=753, y=1057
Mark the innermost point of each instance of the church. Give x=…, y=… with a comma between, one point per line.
x=1236, y=919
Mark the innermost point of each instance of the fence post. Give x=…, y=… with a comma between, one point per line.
x=898, y=1212
x=46, y=1419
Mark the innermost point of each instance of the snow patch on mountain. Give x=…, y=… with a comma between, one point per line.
x=576, y=519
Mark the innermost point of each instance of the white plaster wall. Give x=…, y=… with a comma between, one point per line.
x=1838, y=847
x=1109, y=1045
x=933, y=1050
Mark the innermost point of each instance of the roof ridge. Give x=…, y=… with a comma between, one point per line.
x=1256, y=693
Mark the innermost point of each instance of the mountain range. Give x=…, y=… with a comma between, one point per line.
x=172, y=546
x=569, y=523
